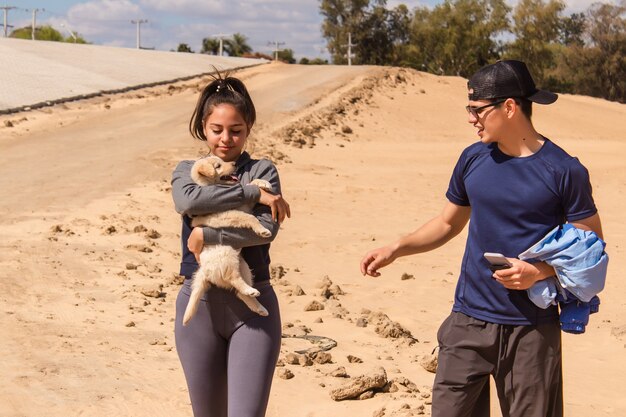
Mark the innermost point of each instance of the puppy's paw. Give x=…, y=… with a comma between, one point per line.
x=263, y=232
x=263, y=184
x=261, y=311
x=252, y=292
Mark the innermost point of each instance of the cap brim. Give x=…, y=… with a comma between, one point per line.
x=543, y=97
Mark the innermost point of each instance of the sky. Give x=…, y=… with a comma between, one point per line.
x=296, y=24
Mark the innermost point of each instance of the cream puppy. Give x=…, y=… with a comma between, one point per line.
x=222, y=265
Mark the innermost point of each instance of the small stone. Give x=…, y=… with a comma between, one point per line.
x=292, y=359
x=406, y=276
x=314, y=306
x=379, y=413
x=322, y=358
x=140, y=229
x=318, y=320
x=429, y=362
x=298, y=291
x=153, y=292
x=153, y=234
x=131, y=266
x=130, y=324
x=366, y=395
x=8, y=123
x=284, y=373
x=110, y=230
x=346, y=129
x=354, y=359
x=361, y=322
x=339, y=373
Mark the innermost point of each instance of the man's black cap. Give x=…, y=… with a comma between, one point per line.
x=506, y=79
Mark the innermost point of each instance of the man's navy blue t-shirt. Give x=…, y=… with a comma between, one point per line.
x=514, y=203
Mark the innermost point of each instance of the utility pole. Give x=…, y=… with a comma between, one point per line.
x=276, y=48
x=35, y=21
x=350, y=45
x=6, y=12
x=138, y=22
x=72, y=34
x=221, y=37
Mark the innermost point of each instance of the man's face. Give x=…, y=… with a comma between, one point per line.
x=487, y=117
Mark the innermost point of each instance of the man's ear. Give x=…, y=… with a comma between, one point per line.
x=511, y=107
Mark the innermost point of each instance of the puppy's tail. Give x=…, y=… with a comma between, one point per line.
x=198, y=287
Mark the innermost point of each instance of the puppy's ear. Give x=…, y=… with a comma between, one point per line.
x=207, y=169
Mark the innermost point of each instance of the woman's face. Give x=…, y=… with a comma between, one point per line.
x=226, y=132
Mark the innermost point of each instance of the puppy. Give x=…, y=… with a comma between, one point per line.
x=222, y=265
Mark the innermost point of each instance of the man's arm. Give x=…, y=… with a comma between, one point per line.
x=431, y=235
x=522, y=275
x=591, y=223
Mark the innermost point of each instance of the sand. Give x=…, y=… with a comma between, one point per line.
x=90, y=243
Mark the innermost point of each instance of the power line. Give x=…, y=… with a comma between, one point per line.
x=6, y=14
x=350, y=45
x=276, y=48
x=34, y=23
x=221, y=37
x=138, y=22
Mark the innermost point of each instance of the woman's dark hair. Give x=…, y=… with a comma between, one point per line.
x=222, y=90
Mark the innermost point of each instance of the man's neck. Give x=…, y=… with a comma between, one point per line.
x=521, y=143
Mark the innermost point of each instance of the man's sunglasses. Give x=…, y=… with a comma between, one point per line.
x=474, y=111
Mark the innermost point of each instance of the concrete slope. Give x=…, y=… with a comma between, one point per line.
x=37, y=73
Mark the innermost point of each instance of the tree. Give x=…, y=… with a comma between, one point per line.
x=456, y=37
x=374, y=42
x=286, y=55
x=314, y=61
x=572, y=29
x=237, y=45
x=210, y=46
x=44, y=33
x=536, y=30
x=599, y=67
x=340, y=18
x=183, y=47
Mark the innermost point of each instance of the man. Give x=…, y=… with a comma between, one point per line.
x=514, y=186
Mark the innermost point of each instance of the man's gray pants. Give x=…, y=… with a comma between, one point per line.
x=525, y=362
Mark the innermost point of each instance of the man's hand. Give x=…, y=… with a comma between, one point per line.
x=522, y=275
x=375, y=259
x=195, y=243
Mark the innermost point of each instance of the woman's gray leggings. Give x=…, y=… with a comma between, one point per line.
x=228, y=352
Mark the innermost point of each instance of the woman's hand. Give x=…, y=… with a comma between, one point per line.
x=278, y=205
x=522, y=275
x=195, y=243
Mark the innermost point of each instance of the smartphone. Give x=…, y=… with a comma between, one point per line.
x=497, y=261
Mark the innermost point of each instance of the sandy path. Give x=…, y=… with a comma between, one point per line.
x=123, y=144
x=88, y=284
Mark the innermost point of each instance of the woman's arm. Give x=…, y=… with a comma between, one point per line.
x=192, y=199
x=237, y=237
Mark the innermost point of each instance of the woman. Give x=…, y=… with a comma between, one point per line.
x=228, y=352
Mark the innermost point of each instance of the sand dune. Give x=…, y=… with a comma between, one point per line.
x=90, y=243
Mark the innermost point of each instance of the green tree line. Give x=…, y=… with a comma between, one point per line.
x=45, y=33
x=237, y=45
x=580, y=53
